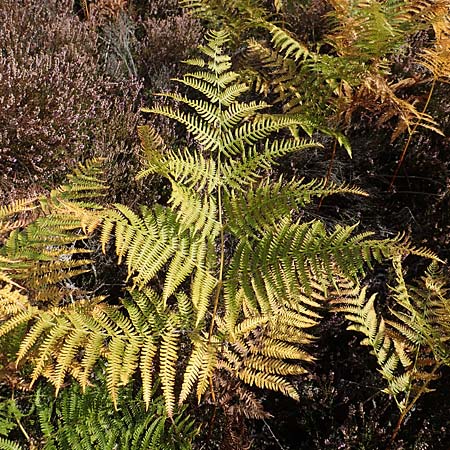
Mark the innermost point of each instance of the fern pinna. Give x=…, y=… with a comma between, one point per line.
x=222, y=279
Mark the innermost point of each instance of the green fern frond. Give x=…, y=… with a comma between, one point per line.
x=391, y=355
x=237, y=112
x=259, y=209
x=85, y=182
x=422, y=312
x=309, y=255
x=208, y=367
x=203, y=285
x=235, y=17
x=234, y=142
x=239, y=175
x=287, y=44
x=95, y=346
x=148, y=353
x=82, y=422
x=147, y=242
x=402, y=344
x=222, y=278
x=194, y=365
x=370, y=29
x=6, y=444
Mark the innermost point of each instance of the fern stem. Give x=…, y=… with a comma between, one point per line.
x=211, y=427
x=19, y=424
x=273, y=434
x=220, y=213
x=211, y=384
x=86, y=10
x=22, y=429
x=408, y=141
x=405, y=412
x=221, y=265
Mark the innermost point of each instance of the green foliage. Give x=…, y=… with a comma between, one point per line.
x=39, y=250
x=223, y=288
x=236, y=17
x=6, y=444
x=10, y=416
x=89, y=421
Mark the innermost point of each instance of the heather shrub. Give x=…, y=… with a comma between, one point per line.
x=57, y=105
x=142, y=39
x=165, y=42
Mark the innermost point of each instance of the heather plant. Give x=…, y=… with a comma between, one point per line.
x=57, y=104
x=142, y=40
x=164, y=43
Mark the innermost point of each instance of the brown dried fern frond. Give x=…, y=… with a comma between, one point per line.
x=378, y=95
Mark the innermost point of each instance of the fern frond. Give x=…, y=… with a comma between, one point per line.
x=23, y=316
x=202, y=131
x=401, y=345
x=267, y=381
x=273, y=365
x=83, y=422
x=203, y=285
x=194, y=365
x=151, y=140
x=66, y=355
x=237, y=112
x=95, y=347
x=248, y=170
x=209, y=112
x=235, y=141
x=287, y=44
x=208, y=367
x=16, y=207
x=261, y=208
x=275, y=348
x=6, y=444
x=148, y=353
x=369, y=29
x=84, y=185
x=146, y=242
x=223, y=280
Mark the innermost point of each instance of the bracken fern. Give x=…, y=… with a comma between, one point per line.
x=224, y=278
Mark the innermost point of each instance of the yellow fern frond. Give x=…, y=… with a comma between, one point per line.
x=267, y=381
